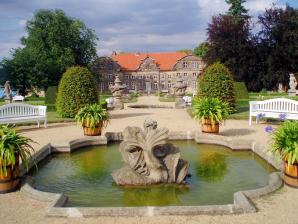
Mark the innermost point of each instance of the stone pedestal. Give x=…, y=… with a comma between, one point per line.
x=180, y=103
x=291, y=92
x=7, y=100
x=118, y=104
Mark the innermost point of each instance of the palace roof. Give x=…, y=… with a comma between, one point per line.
x=132, y=61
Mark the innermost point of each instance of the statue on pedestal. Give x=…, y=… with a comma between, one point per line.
x=117, y=91
x=292, y=84
x=7, y=92
x=180, y=89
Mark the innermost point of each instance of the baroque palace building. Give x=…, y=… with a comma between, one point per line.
x=149, y=72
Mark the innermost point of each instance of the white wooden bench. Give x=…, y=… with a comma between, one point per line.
x=20, y=112
x=18, y=99
x=274, y=108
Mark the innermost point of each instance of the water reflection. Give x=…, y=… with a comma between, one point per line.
x=212, y=166
x=153, y=196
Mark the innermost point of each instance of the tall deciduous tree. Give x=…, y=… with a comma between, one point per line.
x=279, y=37
x=54, y=42
x=21, y=70
x=237, y=9
x=228, y=43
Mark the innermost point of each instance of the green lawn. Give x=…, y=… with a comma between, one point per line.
x=54, y=117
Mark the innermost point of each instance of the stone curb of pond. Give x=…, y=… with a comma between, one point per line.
x=242, y=199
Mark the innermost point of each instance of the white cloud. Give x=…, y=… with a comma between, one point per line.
x=6, y=48
x=22, y=22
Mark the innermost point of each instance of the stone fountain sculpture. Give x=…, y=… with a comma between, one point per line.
x=180, y=89
x=148, y=158
x=117, y=91
x=292, y=84
x=7, y=92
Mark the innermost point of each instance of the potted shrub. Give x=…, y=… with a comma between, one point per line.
x=13, y=147
x=210, y=112
x=285, y=144
x=92, y=118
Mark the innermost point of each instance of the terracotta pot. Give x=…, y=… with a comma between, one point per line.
x=11, y=181
x=92, y=131
x=209, y=127
x=291, y=174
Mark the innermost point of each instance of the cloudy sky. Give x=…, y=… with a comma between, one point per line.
x=127, y=25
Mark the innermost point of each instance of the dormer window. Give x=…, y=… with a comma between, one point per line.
x=185, y=64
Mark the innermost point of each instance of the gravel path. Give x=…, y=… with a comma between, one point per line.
x=280, y=207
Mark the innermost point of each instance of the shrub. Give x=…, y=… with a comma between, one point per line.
x=241, y=90
x=51, y=94
x=217, y=82
x=77, y=89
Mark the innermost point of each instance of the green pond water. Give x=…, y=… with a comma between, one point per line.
x=216, y=173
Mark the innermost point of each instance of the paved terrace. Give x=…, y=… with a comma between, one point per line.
x=280, y=207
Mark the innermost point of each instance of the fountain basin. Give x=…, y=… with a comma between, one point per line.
x=234, y=203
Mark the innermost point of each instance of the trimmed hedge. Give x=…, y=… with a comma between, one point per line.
x=241, y=90
x=217, y=82
x=51, y=95
x=77, y=89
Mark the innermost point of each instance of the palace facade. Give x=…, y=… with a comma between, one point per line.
x=149, y=72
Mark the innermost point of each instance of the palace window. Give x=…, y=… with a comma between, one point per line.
x=185, y=74
x=194, y=74
x=195, y=64
x=169, y=85
x=155, y=76
x=178, y=74
x=169, y=76
x=194, y=84
x=162, y=85
x=155, y=86
x=185, y=64
x=133, y=85
x=110, y=83
x=162, y=76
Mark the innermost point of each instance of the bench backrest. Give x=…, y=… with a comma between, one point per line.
x=275, y=105
x=21, y=110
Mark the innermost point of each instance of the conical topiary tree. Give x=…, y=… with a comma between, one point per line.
x=217, y=82
x=77, y=89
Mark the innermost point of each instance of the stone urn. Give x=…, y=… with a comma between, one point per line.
x=180, y=89
x=117, y=91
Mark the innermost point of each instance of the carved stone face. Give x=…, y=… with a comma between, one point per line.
x=149, y=157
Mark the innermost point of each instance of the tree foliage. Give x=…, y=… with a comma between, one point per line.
x=21, y=70
x=237, y=10
x=262, y=59
x=77, y=89
x=187, y=51
x=53, y=43
x=279, y=39
x=229, y=43
x=201, y=50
